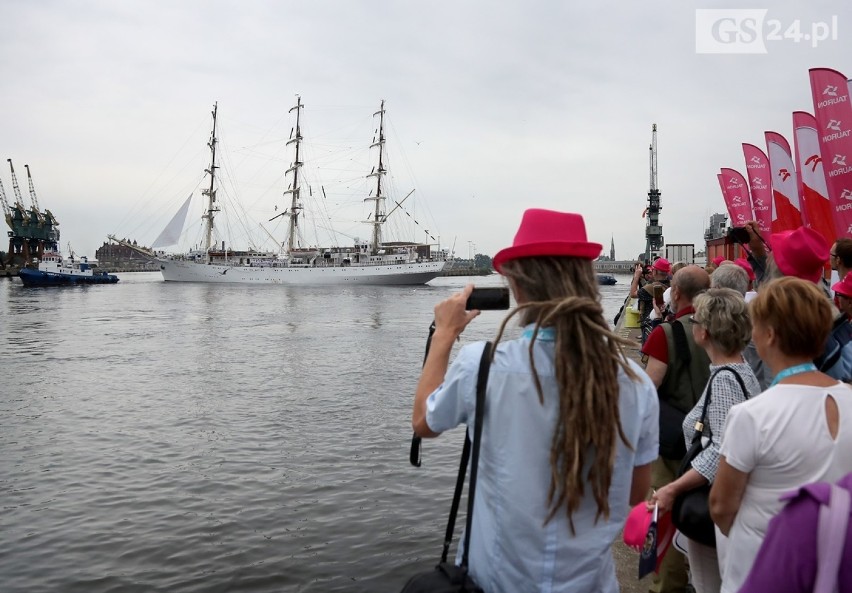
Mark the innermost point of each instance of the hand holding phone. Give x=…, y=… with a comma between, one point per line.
x=488, y=299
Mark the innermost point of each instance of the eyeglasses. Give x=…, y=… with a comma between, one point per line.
x=692, y=319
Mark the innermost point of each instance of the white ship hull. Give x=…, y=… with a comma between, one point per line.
x=386, y=274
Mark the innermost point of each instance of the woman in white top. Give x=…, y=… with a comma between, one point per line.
x=798, y=431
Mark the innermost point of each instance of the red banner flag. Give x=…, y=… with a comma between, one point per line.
x=737, y=199
x=816, y=207
x=833, y=113
x=786, y=211
x=757, y=168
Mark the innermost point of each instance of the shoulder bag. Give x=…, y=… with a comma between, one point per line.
x=447, y=577
x=691, y=509
x=672, y=445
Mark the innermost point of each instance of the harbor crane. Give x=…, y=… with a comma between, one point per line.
x=653, y=228
x=33, y=196
x=7, y=212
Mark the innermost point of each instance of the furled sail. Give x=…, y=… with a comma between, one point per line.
x=171, y=234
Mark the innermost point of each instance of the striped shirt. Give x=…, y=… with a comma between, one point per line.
x=726, y=393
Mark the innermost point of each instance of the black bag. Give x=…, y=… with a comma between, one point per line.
x=447, y=577
x=691, y=509
x=672, y=443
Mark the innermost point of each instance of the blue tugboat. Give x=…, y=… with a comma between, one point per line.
x=606, y=280
x=52, y=271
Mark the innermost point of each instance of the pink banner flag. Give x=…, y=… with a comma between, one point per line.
x=757, y=168
x=786, y=211
x=833, y=113
x=737, y=199
x=816, y=207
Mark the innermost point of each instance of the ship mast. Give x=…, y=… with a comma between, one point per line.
x=378, y=215
x=295, y=204
x=653, y=229
x=210, y=192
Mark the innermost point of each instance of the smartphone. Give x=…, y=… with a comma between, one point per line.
x=488, y=299
x=658, y=294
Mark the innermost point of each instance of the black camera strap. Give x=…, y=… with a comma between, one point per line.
x=414, y=452
x=479, y=415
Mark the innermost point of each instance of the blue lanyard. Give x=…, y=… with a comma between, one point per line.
x=545, y=334
x=794, y=370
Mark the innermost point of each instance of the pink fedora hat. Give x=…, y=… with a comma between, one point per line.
x=547, y=233
x=801, y=253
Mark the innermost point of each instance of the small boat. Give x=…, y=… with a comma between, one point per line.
x=53, y=271
x=606, y=280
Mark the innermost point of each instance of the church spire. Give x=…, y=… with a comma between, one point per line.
x=612, y=250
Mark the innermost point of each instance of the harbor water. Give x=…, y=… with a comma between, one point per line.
x=170, y=437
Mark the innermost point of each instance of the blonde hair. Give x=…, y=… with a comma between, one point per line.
x=562, y=293
x=723, y=312
x=798, y=312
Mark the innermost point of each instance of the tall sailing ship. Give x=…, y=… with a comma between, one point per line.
x=364, y=262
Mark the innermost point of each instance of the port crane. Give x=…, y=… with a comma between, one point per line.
x=653, y=228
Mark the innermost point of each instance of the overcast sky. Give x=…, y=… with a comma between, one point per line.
x=495, y=106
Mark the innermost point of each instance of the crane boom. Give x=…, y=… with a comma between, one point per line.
x=15, y=187
x=33, y=196
x=7, y=212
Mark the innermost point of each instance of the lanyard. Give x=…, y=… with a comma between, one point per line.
x=794, y=370
x=545, y=334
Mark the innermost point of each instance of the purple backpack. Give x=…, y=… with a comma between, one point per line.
x=831, y=537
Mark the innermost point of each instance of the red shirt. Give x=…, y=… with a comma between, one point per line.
x=656, y=344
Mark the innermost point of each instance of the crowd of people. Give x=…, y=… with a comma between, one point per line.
x=746, y=364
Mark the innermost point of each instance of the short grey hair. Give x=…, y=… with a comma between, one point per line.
x=732, y=276
x=724, y=314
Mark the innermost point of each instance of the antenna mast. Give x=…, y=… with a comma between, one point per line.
x=210, y=192
x=379, y=215
x=653, y=229
x=295, y=204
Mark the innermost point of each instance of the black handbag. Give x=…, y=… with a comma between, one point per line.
x=447, y=577
x=691, y=509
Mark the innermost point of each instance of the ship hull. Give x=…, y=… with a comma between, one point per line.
x=383, y=275
x=39, y=278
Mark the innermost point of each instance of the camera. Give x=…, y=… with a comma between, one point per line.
x=739, y=234
x=488, y=299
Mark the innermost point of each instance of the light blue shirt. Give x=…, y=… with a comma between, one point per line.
x=513, y=550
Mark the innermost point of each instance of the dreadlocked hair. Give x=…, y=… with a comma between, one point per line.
x=562, y=293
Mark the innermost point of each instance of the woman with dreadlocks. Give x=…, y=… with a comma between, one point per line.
x=570, y=425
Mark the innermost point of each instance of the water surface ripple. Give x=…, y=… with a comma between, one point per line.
x=190, y=437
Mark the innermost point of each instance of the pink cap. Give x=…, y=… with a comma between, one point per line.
x=662, y=264
x=636, y=530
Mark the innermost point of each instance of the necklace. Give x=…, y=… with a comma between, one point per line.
x=793, y=370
